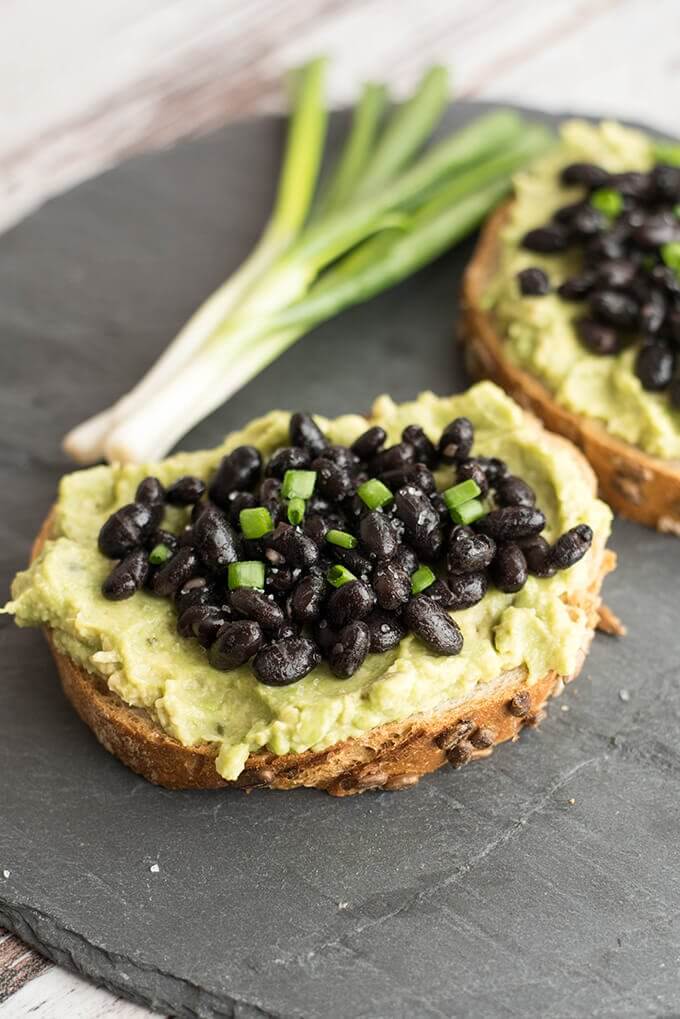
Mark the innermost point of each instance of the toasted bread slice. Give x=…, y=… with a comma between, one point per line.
x=636, y=485
x=390, y=756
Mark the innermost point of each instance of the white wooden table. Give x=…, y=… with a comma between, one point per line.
x=83, y=85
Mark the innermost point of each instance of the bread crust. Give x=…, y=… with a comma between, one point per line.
x=391, y=756
x=637, y=486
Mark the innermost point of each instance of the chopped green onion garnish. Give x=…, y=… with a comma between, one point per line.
x=341, y=538
x=676, y=210
x=159, y=554
x=248, y=574
x=298, y=484
x=471, y=510
x=339, y=575
x=607, y=201
x=374, y=494
x=671, y=255
x=667, y=152
x=421, y=579
x=461, y=493
x=255, y=522
x=296, y=511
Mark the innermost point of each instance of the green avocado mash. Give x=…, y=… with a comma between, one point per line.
x=540, y=331
x=134, y=643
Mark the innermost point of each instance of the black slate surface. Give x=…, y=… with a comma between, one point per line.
x=544, y=883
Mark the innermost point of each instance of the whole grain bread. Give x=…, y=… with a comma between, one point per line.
x=390, y=756
x=637, y=486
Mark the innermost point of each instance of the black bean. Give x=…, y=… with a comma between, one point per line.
x=546, y=240
x=353, y=600
x=660, y=228
x=509, y=568
x=511, y=522
x=472, y=470
x=466, y=589
x=654, y=366
x=440, y=591
x=258, y=606
x=186, y=537
x=332, y=481
x=571, y=546
x=425, y=449
x=614, y=308
x=536, y=551
x=127, y=528
x=291, y=458
x=631, y=183
x=185, y=491
x=215, y=540
x=173, y=574
x=369, y=443
x=386, y=631
x=513, y=491
x=616, y=274
x=150, y=491
x=305, y=432
x=674, y=392
x=652, y=312
x=286, y=661
x=586, y=222
x=533, y=282
x=598, y=338
x=342, y=456
x=672, y=323
x=393, y=458
x=566, y=213
x=196, y=591
x=237, y=471
x=586, y=175
x=269, y=495
x=203, y=622
x=666, y=278
x=417, y=474
x=456, y=440
x=236, y=643
x=127, y=577
x=405, y=559
x=392, y=586
x=280, y=579
x=576, y=288
x=293, y=544
x=428, y=620
x=494, y=468
x=350, y=649
x=377, y=536
x=308, y=598
x=611, y=245
x=316, y=528
x=469, y=552
x=665, y=180
x=415, y=510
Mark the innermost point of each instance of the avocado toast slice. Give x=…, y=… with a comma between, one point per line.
x=529, y=345
x=170, y=717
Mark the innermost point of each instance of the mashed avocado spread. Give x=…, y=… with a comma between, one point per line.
x=540, y=331
x=134, y=643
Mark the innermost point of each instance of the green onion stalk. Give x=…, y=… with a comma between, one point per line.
x=385, y=212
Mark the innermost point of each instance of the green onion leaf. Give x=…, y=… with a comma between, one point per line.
x=667, y=152
x=339, y=575
x=676, y=210
x=296, y=511
x=298, y=484
x=671, y=255
x=159, y=554
x=341, y=538
x=471, y=510
x=246, y=574
x=607, y=201
x=374, y=494
x=461, y=493
x=421, y=579
x=255, y=522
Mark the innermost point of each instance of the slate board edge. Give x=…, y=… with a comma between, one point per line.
x=152, y=987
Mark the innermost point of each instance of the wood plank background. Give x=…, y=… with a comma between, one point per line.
x=83, y=85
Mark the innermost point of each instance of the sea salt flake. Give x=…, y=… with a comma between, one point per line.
x=624, y=695
x=6, y=874
x=154, y=868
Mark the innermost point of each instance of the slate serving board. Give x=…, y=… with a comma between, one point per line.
x=544, y=883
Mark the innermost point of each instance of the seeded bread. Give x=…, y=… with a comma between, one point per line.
x=391, y=756
x=637, y=486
